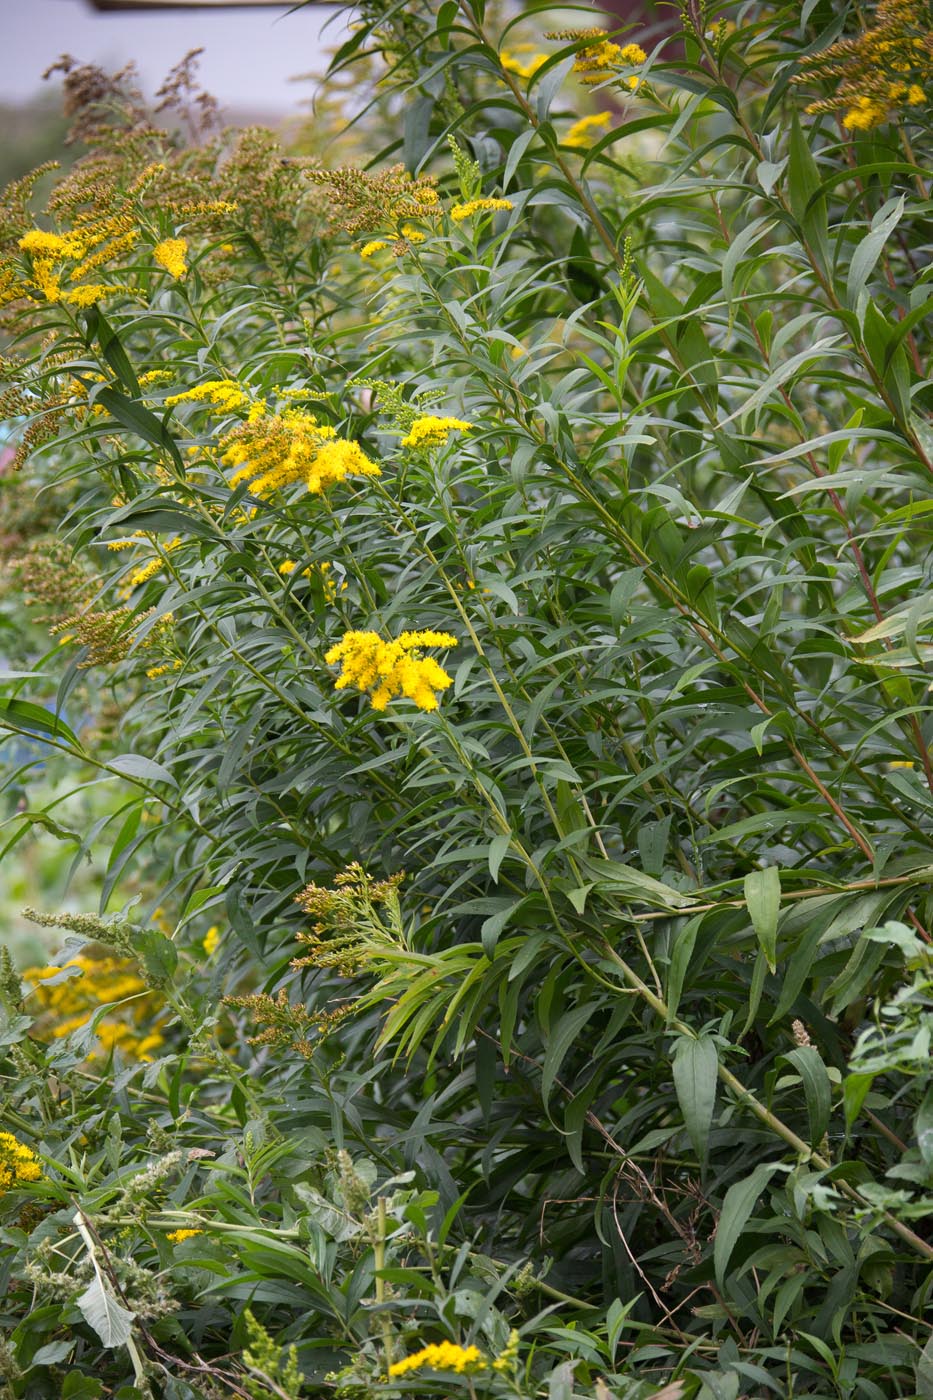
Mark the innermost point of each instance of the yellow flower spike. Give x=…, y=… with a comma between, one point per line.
x=155, y=376
x=441, y=1356
x=90, y=293
x=170, y=254
x=211, y=940
x=429, y=431
x=336, y=460
x=220, y=393
x=369, y=250
x=459, y=212
x=46, y=280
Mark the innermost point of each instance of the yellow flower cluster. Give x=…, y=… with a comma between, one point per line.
x=429, y=431
x=179, y=1236
x=51, y=245
x=144, y=572
x=596, y=61
x=376, y=245
x=868, y=112
x=508, y=1356
x=91, y=292
x=154, y=672
x=880, y=72
x=155, y=376
x=220, y=393
x=276, y=450
x=588, y=129
x=90, y=244
x=17, y=1163
x=69, y=1004
x=170, y=254
x=210, y=944
x=441, y=1356
x=459, y=212
x=523, y=60
x=390, y=669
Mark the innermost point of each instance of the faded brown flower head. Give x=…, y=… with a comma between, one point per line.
x=288, y=1025
x=364, y=202
x=880, y=73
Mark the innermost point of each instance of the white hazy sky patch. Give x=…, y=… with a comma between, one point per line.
x=250, y=54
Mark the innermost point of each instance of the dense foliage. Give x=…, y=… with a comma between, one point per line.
x=486, y=569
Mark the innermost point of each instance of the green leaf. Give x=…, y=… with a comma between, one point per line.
x=517, y=149
x=817, y=1088
x=763, y=897
x=869, y=251
x=737, y=1207
x=681, y=954
x=23, y=714
x=110, y=1320
x=633, y=885
x=155, y=520
x=135, y=765
x=559, y=1042
x=925, y=1371
x=498, y=847
x=805, y=190
x=695, y=1069
x=158, y=955
x=140, y=421
x=99, y=328
x=854, y=1093
x=923, y=1127
x=77, y=1386
x=546, y=88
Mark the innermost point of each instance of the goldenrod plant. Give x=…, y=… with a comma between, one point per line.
x=469, y=634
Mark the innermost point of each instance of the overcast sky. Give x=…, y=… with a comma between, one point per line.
x=250, y=54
